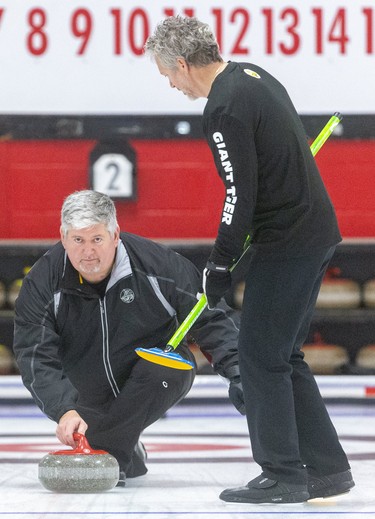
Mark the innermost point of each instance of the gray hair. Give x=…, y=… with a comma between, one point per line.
x=183, y=37
x=86, y=208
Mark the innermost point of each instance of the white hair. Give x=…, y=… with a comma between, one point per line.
x=86, y=208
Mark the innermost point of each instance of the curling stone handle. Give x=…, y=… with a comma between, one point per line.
x=82, y=445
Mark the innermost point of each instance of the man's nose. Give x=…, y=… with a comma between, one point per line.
x=88, y=250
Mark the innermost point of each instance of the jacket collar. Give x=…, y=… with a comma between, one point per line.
x=122, y=267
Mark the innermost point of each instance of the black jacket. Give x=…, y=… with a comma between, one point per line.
x=274, y=191
x=68, y=340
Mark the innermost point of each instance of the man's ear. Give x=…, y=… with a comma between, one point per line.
x=117, y=235
x=62, y=236
x=182, y=64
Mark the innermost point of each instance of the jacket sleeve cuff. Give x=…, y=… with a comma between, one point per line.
x=217, y=268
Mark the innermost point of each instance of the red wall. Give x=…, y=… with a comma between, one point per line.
x=348, y=170
x=179, y=192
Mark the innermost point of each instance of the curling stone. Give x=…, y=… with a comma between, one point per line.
x=238, y=294
x=365, y=358
x=15, y=287
x=324, y=358
x=369, y=293
x=203, y=365
x=3, y=295
x=14, y=290
x=79, y=470
x=6, y=360
x=338, y=292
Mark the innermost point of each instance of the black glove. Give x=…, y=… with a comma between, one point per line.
x=216, y=282
x=236, y=395
x=235, y=391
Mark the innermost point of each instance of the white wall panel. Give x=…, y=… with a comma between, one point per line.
x=85, y=57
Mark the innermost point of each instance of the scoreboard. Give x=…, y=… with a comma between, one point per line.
x=86, y=56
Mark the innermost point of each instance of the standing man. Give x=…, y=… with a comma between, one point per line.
x=275, y=195
x=83, y=309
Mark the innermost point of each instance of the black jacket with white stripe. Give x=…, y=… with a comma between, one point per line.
x=69, y=340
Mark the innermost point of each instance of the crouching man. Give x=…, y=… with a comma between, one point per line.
x=84, y=308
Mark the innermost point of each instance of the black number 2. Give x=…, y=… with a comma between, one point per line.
x=116, y=172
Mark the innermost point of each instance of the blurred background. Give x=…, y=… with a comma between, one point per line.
x=82, y=107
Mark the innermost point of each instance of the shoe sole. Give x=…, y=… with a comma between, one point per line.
x=294, y=497
x=337, y=490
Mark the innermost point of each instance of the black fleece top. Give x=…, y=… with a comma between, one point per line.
x=274, y=191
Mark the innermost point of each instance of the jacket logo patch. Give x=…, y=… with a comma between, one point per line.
x=251, y=73
x=127, y=295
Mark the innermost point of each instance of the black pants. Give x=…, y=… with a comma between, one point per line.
x=145, y=397
x=289, y=426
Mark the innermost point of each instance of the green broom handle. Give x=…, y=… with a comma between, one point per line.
x=188, y=322
x=325, y=133
x=194, y=313
x=198, y=308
